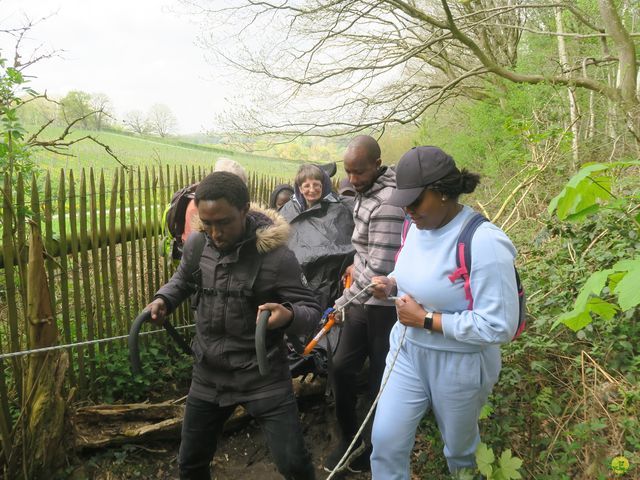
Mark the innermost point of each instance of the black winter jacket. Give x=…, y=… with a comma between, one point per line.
x=321, y=240
x=260, y=269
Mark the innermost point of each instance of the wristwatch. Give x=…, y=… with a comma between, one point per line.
x=428, y=321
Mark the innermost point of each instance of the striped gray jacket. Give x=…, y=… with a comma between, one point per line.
x=376, y=237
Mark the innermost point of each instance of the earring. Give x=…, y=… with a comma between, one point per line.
x=444, y=199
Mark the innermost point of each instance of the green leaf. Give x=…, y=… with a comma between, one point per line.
x=604, y=309
x=626, y=265
x=582, y=191
x=485, y=412
x=575, y=321
x=593, y=286
x=627, y=288
x=614, y=279
x=509, y=465
x=581, y=195
x=582, y=214
x=485, y=459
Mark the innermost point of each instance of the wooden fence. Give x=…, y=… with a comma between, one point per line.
x=104, y=257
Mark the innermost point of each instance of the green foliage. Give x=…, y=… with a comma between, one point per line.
x=166, y=373
x=539, y=406
x=587, y=193
x=507, y=467
x=581, y=195
x=488, y=144
x=14, y=152
x=77, y=104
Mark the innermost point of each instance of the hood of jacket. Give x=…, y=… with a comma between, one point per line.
x=276, y=191
x=386, y=179
x=265, y=227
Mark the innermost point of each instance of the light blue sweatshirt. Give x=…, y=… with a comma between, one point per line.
x=424, y=264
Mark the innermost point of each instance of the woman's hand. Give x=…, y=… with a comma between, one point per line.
x=410, y=312
x=383, y=287
x=280, y=316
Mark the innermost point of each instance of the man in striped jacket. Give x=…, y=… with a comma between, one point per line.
x=368, y=321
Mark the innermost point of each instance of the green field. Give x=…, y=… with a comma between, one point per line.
x=152, y=151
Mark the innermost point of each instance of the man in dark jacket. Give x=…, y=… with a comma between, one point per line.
x=244, y=267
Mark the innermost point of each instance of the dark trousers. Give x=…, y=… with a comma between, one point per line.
x=365, y=333
x=278, y=418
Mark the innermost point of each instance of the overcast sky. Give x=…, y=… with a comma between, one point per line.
x=138, y=52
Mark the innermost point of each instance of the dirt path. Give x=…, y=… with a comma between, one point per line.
x=242, y=453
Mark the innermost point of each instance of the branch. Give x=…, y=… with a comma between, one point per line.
x=53, y=145
x=584, y=82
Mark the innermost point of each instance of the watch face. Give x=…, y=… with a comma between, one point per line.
x=428, y=321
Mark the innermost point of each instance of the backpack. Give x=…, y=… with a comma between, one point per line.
x=173, y=221
x=463, y=265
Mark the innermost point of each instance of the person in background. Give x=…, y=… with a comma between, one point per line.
x=280, y=195
x=346, y=189
x=321, y=228
x=365, y=332
x=449, y=359
x=191, y=221
x=244, y=268
x=224, y=164
x=347, y=193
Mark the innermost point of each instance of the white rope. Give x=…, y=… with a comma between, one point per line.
x=80, y=344
x=111, y=339
x=342, y=464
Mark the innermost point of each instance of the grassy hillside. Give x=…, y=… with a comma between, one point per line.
x=150, y=151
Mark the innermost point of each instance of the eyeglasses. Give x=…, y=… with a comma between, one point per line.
x=311, y=185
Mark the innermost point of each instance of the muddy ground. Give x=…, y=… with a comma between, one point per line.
x=242, y=453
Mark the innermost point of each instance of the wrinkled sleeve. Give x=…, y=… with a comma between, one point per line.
x=177, y=289
x=494, y=318
x=290, y=289
x=385, y=226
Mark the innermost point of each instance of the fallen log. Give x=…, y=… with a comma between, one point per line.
x=100, y=426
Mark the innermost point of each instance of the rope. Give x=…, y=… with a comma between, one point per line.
x=342, y=464
x=79, y=344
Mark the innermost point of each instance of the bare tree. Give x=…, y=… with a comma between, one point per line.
x=101, y=104
x=352, y=65
x=161, y=120
x=136, y=121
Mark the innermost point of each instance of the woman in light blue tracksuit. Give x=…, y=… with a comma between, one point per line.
x=449, y=358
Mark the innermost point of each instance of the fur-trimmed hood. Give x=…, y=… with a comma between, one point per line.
x=267, y=226
x=271, y=230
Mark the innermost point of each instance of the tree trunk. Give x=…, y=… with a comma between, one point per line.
x=573, y=106
x=627, y=66
x=38, y=441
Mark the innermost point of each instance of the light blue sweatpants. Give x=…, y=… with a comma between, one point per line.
x=454, y=385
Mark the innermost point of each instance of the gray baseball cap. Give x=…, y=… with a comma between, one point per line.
x=419, y=167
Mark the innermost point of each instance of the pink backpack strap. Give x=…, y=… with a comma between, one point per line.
x=463, y=255
x=463, y=272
